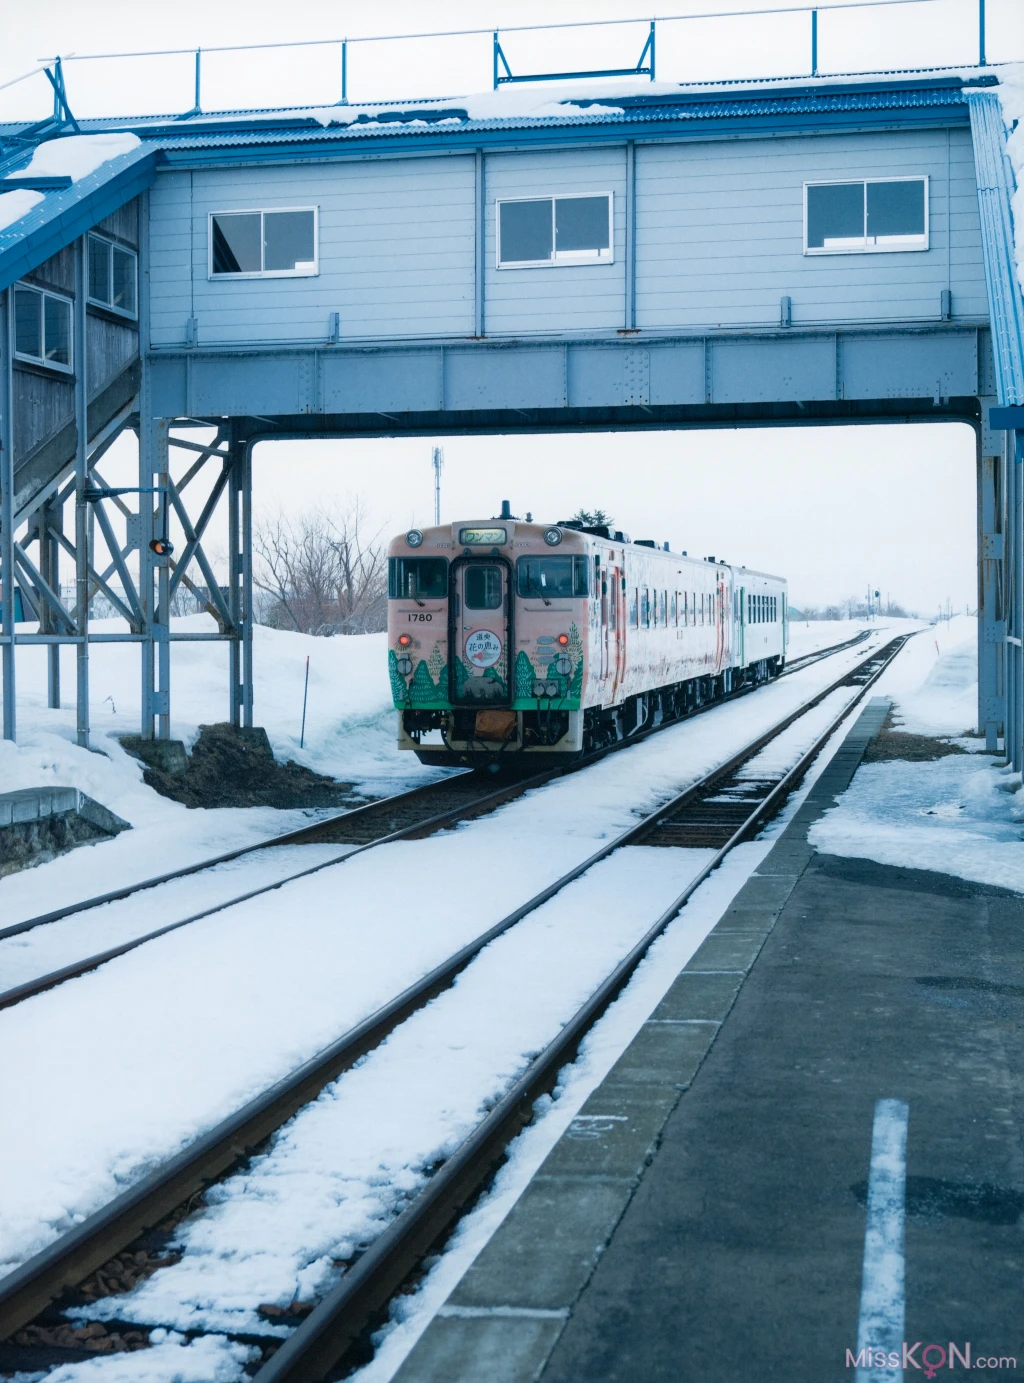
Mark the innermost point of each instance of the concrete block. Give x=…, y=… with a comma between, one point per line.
x=722, y=950
x=547, y=1248
x=699, y=996
x=487, y=1348
x=614, y=1133
x=101, y=817
x=166, y=756
x=665, y=1053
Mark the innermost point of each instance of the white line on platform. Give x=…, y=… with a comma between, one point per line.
x=882, y=1299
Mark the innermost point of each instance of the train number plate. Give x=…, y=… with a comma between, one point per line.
x=418, y=617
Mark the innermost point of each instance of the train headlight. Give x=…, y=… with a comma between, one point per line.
x=552, y=536
x=414, y=537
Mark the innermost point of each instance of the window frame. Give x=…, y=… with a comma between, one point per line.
x=567, y=258
x=913, y=245
x=41, y=362
x=113, y=245
x=262, y=273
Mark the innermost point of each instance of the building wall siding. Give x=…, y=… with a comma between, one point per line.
x=578, y=297
x=719, y=241
x=720, y=233
x=396, y=252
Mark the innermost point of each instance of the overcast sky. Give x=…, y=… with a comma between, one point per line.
x=833, y=509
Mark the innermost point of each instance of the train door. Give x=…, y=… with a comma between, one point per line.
x=720, y=623
x=617, y=615
x=607, y=579
x=480, y=632
x=785, y=623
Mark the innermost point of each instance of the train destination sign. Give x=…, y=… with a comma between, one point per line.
x=483, y=649
x=486, y=536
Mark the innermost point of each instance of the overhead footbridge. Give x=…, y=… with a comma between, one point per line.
x=823, y=250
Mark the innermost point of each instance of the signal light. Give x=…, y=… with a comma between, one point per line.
x=404, y=640
x=563, y=639
x=163, y=547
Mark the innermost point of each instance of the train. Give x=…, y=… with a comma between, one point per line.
x=509, y=638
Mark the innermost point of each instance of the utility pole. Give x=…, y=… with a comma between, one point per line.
x=438, y=468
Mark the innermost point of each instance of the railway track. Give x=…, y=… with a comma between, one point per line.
x=722, y=809
x=404, y=816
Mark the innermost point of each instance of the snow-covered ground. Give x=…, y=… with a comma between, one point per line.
x=318, y=953
x=318, y=967
x=962, y=814
x=350, y=735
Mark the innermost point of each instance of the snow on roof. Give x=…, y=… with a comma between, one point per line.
x=77, y=155
x=14, y=205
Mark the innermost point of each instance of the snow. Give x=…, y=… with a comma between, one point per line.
x=957, y=815
x=76, y=155
x=1011, y=96
x=14, y=205
x=318, y=954
x=350, y=735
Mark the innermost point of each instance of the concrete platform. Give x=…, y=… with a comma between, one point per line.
x=704, y=1216
x=38, y=823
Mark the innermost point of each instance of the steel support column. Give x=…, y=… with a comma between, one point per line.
x=50, y=521
x=7, y=509
x=246, y=562
x=236, y=485
x=991, y=619
x=82, y=551
x=1014, y=569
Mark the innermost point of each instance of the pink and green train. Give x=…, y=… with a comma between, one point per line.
x=508, y=637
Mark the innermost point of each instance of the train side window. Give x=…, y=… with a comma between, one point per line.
x=634, y=608
x=418, y=578
x=645, y=607
x=664, y=609
x=673, y=609
x=483, y=588
x=654, y=609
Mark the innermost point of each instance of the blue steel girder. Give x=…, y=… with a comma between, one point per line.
x=789, y=374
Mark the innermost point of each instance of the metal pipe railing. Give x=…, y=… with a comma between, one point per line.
x=501, y=72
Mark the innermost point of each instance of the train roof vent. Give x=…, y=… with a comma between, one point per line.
x=646, y=542
x=620, y=537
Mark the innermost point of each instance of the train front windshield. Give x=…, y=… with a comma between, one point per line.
x=547, y=578
x=417, y=578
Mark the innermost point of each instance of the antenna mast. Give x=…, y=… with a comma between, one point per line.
x=438, y=468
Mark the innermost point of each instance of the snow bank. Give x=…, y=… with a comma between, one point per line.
x=350, y=731
x=958, y=815
x=350, y=735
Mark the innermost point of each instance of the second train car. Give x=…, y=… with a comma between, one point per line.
x=508, y=637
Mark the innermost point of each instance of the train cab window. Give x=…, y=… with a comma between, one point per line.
x=634, y=607
x=417, y=578
x=483, y=588
x=553, y=578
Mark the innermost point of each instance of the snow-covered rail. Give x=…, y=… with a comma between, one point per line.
x=404, y=816
x=30, y=1289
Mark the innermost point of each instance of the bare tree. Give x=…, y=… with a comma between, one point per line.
x=320, y=572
